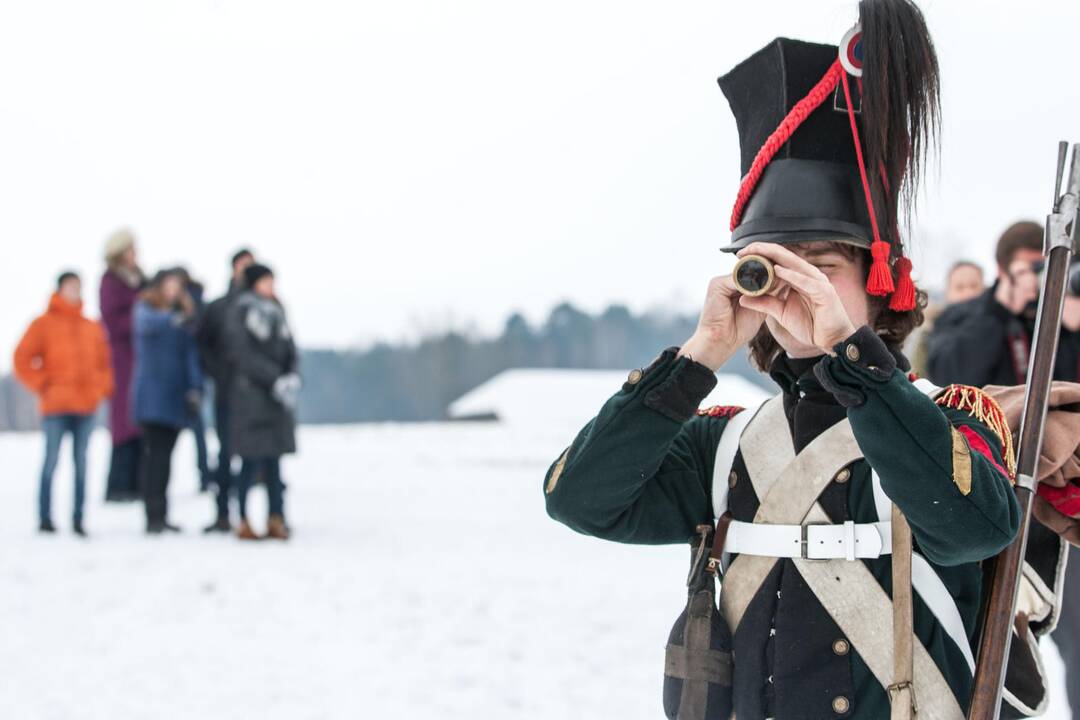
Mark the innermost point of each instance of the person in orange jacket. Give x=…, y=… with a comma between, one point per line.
x=63, y=358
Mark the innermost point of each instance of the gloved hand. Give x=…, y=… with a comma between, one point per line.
x=287, y=390
x=193, y=400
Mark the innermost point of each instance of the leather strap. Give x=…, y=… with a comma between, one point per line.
x=694, y=699
x=725, y=458
x=862, y=610
x=901, y=692
x=708, y=666
x=848, y=590
x=785, y=494
x=930, y=587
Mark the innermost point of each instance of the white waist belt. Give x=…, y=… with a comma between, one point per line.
x=849, y=541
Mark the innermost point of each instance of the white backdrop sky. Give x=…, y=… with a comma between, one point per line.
x=414, y=163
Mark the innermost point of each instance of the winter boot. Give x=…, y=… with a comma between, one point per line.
x=244, y=531
x=78, y=529
x=47, y=526
x=221, y=525
x=276, y=529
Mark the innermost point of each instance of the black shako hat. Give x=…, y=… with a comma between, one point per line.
x=811, y=188
x=833, y=137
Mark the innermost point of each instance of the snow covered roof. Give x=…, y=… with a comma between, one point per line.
x=573, y=396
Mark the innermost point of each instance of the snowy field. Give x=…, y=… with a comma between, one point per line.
x=424, y=580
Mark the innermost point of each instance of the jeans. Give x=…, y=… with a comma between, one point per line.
x=223, y=474
x=271, y=469
x=1067, y=634
x=56, y=426
x=198, y=429
x=159, y=441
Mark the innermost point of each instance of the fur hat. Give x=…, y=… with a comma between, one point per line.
x=118, y=243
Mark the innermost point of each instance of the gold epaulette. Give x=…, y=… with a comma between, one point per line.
x=986, y=410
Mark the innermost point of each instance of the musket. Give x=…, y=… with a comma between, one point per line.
x=1061, y=237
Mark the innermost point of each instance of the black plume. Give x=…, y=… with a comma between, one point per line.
x=901, y=114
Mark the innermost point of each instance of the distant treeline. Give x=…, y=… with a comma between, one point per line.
x=418, y=381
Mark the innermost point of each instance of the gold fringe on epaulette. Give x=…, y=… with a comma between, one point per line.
x=986, y=410
x=720, y=411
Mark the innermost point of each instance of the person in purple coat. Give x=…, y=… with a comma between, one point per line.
x=120, y=286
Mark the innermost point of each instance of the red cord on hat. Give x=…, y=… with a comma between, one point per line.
x=880, y=281
x=782, y=134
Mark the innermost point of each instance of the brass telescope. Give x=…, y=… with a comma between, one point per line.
x=753, y=275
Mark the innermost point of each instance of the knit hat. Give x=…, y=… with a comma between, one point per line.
x=255, y=273
x=118, y=243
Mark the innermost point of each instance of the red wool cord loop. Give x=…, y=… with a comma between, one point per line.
x=782, y=134
x=903, y=298
x=880, y=281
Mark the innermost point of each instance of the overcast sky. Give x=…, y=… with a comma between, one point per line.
x=409, y=164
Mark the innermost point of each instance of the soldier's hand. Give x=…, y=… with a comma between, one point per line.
x=811, y=310
x=724, y=325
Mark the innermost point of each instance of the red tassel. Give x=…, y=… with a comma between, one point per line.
x=903, y=298
x=880, y=281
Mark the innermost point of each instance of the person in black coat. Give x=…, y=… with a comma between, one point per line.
x=987, y=340
x=214, y=355
x=263, y=392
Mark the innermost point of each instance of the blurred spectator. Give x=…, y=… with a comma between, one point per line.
x=263, y=394
x=214, y=353
x=197, y=425
x=120, y=286
x=64, y=360
x=167, y=385
x=987, y=340
x=963, y=282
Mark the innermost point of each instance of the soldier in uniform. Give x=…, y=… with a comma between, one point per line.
x=809, y=488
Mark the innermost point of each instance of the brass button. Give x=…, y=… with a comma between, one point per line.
x=732, y=479
x=852, y=352
x=841, y=647
x=635, y=376
x=843, y=476
x=840, y=704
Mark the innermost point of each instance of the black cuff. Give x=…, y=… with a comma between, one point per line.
x=679, y=396
x=861, y=360
x=866, y=352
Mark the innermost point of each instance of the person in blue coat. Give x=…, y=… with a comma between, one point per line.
x=167, y=386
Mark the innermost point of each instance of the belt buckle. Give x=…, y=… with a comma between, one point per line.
x=804, y=543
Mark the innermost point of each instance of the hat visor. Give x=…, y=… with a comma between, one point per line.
x=793, y=231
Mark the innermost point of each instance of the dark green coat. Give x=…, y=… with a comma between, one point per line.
x=641, y=472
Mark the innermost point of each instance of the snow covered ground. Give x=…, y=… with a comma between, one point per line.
x=424, y=581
